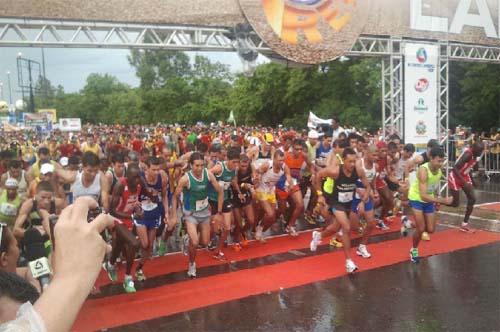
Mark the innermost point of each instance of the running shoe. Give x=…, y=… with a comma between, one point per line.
x=336, y=243
x=363, y=251
x=426, y=236
x=110, y=270
x=237, y=247
x=213, y=243
x=382, y=226
x=316, y=240
x=291, y=230
x=310, y=219
x=467, y=229
x=350, y=266
x=139, y=274
x=258, y=233
x=414, y=258
x=192, y=270
x=185, y=244
x=128, y=284
x=162, y=248
x=220, y=256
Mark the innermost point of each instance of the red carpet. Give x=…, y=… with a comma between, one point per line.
x=179, y=262
x=490, y=206
x=184, y=296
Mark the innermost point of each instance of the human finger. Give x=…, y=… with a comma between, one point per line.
x=82, y=206
x=102, y=222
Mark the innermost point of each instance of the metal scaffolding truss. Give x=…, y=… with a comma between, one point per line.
x=392, y=89
x=43, y=33
x=443, y=105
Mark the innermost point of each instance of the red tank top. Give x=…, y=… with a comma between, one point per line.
x=128, y=201
x=295, y=164
x=467, y=167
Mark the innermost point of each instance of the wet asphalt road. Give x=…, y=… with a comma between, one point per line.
x=458, y=291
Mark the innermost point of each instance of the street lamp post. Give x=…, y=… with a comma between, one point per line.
x=10, y=89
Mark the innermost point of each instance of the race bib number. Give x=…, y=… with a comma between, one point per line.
x=40, y=267
x=224, y=185
x=431, y=189
x=345, y=197
x=8, y=209
x=359, y=192
x=148, y=205
x=202, y=204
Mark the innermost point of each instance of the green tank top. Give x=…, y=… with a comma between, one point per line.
x=224, y=179
x=432, y=184
x=8, y=209
x=196, y=197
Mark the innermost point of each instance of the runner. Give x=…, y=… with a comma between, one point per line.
x=225, y=174
x=10, y=202
x=125, y=206
x=155, y=210
x=194, y=188
x=16, y=172
x=422, y=197
x=243, y=205
x=460, y=179
x=340, y=203
x=269, y=173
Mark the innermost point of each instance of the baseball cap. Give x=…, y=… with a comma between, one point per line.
x=269, y=137
x=11, y=183
x=381, y=145
x=47, y=168
x=313, y=134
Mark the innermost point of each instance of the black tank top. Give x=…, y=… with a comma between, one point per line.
x=343, y=192
x=262, y=156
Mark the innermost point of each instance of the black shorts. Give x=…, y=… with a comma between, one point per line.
x=227, y=206
x=345, y=207
x=237, y=203
x=393, y=186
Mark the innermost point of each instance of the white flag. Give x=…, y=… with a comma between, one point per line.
x=315, y=121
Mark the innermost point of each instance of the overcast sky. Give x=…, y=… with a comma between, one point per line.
x=70, y=67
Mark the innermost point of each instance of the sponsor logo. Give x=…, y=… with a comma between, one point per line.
x=421, y=55
x=291, y=18
x=420, y=107
x=422, y=85
x=421, y=128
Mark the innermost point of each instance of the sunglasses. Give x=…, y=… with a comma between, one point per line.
x=2, y=226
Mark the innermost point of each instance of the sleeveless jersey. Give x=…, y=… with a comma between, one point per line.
x=432, y=184
x=128, y=201
x=22, y=185
x=269, y=179
x=152, y=210
x=467, y=167
x=79, y=190
x=296, y=165
x=370, y=175
x=8, y=209
x=195, y=196
x=321, y=154
x=224, y=179
x=345, y=186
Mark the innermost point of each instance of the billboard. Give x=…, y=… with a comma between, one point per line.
x=421, y=100
x=70, y=124
x=51, y=114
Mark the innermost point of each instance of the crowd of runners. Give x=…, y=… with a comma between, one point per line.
x=217, y=188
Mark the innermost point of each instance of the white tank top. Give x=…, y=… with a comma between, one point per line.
x=269, y=179
x=370, y=173
x=22, y=185
x=94, y=190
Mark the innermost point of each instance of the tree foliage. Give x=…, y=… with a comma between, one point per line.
x=175, y=87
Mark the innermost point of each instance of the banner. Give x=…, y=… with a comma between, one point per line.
x=51, y=114
x=36, y=121
x=70, y=124
x=421, y=78
x=313, y=121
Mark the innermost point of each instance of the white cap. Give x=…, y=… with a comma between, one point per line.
x=64, y=161
x=313, y=134
x=47, y=168
x=11, y=183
